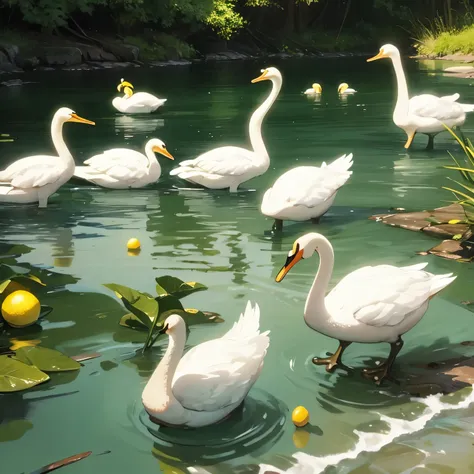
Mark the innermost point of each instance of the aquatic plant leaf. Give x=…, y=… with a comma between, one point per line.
x=13, y=430
x=169, y=285
x=142, y=305
x=432, y=220
x=454, y=221
x=130, y=321
x=194, y=316
x=45, y=359
x=16, y=376
x=149, y=342
x=168, y=305
x=457, y=237
x=4, y=285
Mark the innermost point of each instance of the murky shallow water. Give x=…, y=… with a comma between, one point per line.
x=222, y=241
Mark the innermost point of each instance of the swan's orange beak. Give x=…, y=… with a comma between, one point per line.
x=163, y=151
x=295, y=256
x=381, y=55
x=76, y=118
x=262, y=77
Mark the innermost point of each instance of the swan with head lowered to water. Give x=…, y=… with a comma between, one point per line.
x=122, y=168
x=369, y=305
x=230, y=166
x=35, y=178
x=424, y=113
x=212, y=379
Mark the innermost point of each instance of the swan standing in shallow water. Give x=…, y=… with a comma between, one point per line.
x=135, y=103
x=305, y=192
x=230, y=166
x=212, y=379
x=344, y=89
x=35, y=178
x=424, y=113
x=315, y=89
x=369, y=305
x=121, y=168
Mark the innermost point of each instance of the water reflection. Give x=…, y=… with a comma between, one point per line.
x=130, y=127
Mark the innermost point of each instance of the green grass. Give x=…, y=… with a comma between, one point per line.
x=161, y=46
x=437, y=39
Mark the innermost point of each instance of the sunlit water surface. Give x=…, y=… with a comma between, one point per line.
x=223, y=241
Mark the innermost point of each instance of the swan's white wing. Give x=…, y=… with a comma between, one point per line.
x=119, y=163
x=224, y=161
x=220, y=372
x=430, y=106
x=384, y=295
x=311, y=185
x=33, y=171
x=143, y=99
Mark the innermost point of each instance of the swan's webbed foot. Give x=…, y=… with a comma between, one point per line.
x=333, y=360
x=277, y=225
x=383, y=371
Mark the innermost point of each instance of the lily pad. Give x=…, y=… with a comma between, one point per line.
x=130, y=321
x=142, y=305
x=45, y=359
x=16, y=376
x=13, y=430
x=169, y=285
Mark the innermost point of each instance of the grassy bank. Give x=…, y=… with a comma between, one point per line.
x=435, y=42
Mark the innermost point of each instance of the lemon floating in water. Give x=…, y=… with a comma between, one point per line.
x=20, y=309
x=300, y=416
x=133, y=244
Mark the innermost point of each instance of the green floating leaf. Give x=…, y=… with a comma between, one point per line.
x=457, y=237
x=142, y=305
x=454, y=221
x=169, y=285
x=132, y=322
x=16, y=376
x=432, y=220
x=13, y=430
x=4, y=285
x=45, y=310
x=45, y=359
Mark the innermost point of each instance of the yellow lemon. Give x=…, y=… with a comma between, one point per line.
x=133, y=244
x=20, y=309
x=301, y=438
x=300, y=416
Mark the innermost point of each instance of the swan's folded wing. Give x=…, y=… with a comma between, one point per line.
x=119, y=163
x=224, y=161
x=430, y=106
x=218, y=373
x=383, y=295
x=308, y=186
x=20, y=166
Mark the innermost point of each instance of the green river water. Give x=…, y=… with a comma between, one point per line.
x=79, y=243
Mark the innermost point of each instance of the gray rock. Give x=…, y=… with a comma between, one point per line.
x=10, y=50
x=122, y=51
x=111, y=65
x=94, y=53
x=225, y=56
x=5, y=64
x=181, y=62
x=12, y=82
x=28, y=63
x=61, y=56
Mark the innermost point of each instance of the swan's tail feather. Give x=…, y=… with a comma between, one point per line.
x=440, y=282
x=451, y=98
x=248, y=325
x=84, y=172
x=417, y=266
x=467, y=107
x=342, y=164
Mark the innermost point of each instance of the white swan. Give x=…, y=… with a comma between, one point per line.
x=135, y=103
x=315, y=89
x=35, y=178
x=121, y=168
x=209, y=381
x=424, y=113
x=305, y=192
x=369, y=305
x=345, y=89
x=230, y=166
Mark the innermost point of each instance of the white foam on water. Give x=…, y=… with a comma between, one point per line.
x=372, y=442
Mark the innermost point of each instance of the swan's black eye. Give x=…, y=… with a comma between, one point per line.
x=164, y=146
x=292, y=256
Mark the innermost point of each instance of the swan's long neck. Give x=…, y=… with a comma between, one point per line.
x=315, y=308
x=255, y=125
x=158, y=389
x=153, y=163
x=58, y=140
x=402, y=105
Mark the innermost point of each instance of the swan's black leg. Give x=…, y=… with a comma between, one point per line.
x=430, y=144
x=277, y=225
x=382, y=372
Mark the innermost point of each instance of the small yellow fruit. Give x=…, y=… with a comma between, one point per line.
x=133, y=244
x=20, y=309
x=300, y=416
x=301, y=438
